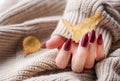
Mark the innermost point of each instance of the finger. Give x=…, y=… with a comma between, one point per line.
x=91, y=51
x=78, y=60
x=73, y=47
x=54, y=42
x=64, y=55
x=100, y=48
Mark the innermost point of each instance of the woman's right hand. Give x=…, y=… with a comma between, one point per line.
x=84, y=54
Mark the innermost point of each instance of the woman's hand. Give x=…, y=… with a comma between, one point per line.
x=84, y=54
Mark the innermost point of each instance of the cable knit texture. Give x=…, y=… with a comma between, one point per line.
x=39, y=18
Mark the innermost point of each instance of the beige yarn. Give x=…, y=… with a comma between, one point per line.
x=29, y=9
x=113, y=62
x=82, y=9
x=65, y=76
x=102, y=74
x=39, y=18
x=38, y=63
x=15, y=33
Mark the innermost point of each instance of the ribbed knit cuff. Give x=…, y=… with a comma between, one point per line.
x=61, y=30
x=77, y=10
x=109, y=68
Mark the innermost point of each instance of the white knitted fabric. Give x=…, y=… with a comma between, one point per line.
x=29, y=9
x=11, y=35
x=27, y=67
x=77, y=10
x=39, y=18
x=66, y=76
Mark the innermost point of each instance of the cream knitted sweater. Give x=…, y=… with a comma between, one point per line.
x=39, y=18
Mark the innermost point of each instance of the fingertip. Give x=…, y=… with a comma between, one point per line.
x=92, y=36
x=67, y=45
x=84, y=41
x=99, y=39
x=77, y=70
x=43, y=45
x=100, y=48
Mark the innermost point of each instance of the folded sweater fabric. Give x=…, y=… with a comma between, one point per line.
x=19, y=21
x=76, y=11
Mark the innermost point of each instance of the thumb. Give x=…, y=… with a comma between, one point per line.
x=54, y=42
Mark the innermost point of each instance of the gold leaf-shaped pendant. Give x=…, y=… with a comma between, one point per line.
x=77, y=31
x=30, y=45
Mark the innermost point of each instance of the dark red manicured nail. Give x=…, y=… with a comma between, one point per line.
x=84, y=41
x=67, y=44
x=99, y=39
x=92, y=36
x=43, y=45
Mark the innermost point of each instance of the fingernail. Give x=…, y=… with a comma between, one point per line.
x=43, y=45
x=84, y=41
x=92, y=36
x=67, y=44
x=99, y=39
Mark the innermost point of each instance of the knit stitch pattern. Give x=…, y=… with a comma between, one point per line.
x=39, y=18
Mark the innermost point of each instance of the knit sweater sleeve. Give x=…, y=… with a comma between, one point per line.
x=11, y=35
x=109, y=68
x=31, y=9
x=77, y=10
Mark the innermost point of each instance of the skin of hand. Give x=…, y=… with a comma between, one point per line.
x=84, y=54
